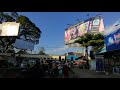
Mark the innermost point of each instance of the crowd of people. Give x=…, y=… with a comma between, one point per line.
x=50, y=69
x=59, y=69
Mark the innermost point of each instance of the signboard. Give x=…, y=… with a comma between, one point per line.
x=9, y=29
x=112, y=41
x=21, y=44
x=94, y=25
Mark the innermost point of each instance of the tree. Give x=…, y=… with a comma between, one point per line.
x=42, y=53
x=89, y=39
x=27, y=31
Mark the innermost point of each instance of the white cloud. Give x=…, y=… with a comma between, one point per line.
x=60, y=49
x=112, y=28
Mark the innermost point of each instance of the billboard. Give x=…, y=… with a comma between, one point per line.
x=9, y=29
x=112, y=41
x=21, y=44
x=93, y=25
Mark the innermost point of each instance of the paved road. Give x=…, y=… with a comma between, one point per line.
x=80, y=73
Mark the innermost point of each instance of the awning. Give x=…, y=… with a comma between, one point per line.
x=102, y=50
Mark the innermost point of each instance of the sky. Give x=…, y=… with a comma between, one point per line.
x=53, y=25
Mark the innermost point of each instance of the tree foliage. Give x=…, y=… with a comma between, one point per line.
x=42, y=53
x=89, y=39
x=27, y=30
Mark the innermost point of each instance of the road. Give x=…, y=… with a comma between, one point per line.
x=80, y=73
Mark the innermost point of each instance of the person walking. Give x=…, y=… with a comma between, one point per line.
x=60, y=68
x=66, y=70
x=53, y=69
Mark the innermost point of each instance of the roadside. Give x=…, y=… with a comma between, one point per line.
x=80, y=73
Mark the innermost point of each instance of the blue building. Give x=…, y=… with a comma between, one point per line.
x=73, y=57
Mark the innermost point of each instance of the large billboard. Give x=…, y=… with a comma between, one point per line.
x=112, y=41
x=93, y=25
x=9, y=29
x=21, y=44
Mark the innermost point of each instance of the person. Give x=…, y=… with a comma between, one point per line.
x=37, y=70
x=66, y=70
x=60, y=70
x=53, y=69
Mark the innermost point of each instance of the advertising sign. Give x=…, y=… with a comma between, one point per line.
x=9, y=29
x=21, y=44
x=94, y=25
x=112, y=41
x=83, y=28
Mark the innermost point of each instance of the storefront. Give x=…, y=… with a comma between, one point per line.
x=112, y=54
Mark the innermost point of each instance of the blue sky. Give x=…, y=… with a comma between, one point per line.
x=53, y=25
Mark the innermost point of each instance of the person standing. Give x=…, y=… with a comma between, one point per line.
x=60, y=68
x=66, y=70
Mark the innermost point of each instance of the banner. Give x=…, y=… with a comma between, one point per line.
x=21, y=44
x=9, y=29
x=112, y=41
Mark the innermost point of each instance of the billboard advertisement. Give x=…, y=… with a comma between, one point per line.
x=94, y=25
x=21, y=44
x=112, y=41
x=9, y=29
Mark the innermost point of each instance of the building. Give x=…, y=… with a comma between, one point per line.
x=42, y=57
x=111, y=53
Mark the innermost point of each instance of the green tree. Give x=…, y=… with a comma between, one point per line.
x=27, y=30
x=42, y=53
x=89, y=39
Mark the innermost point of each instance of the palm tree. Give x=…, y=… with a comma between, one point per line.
x=89, y=39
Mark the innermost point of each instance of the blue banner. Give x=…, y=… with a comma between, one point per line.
x=112, y=41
